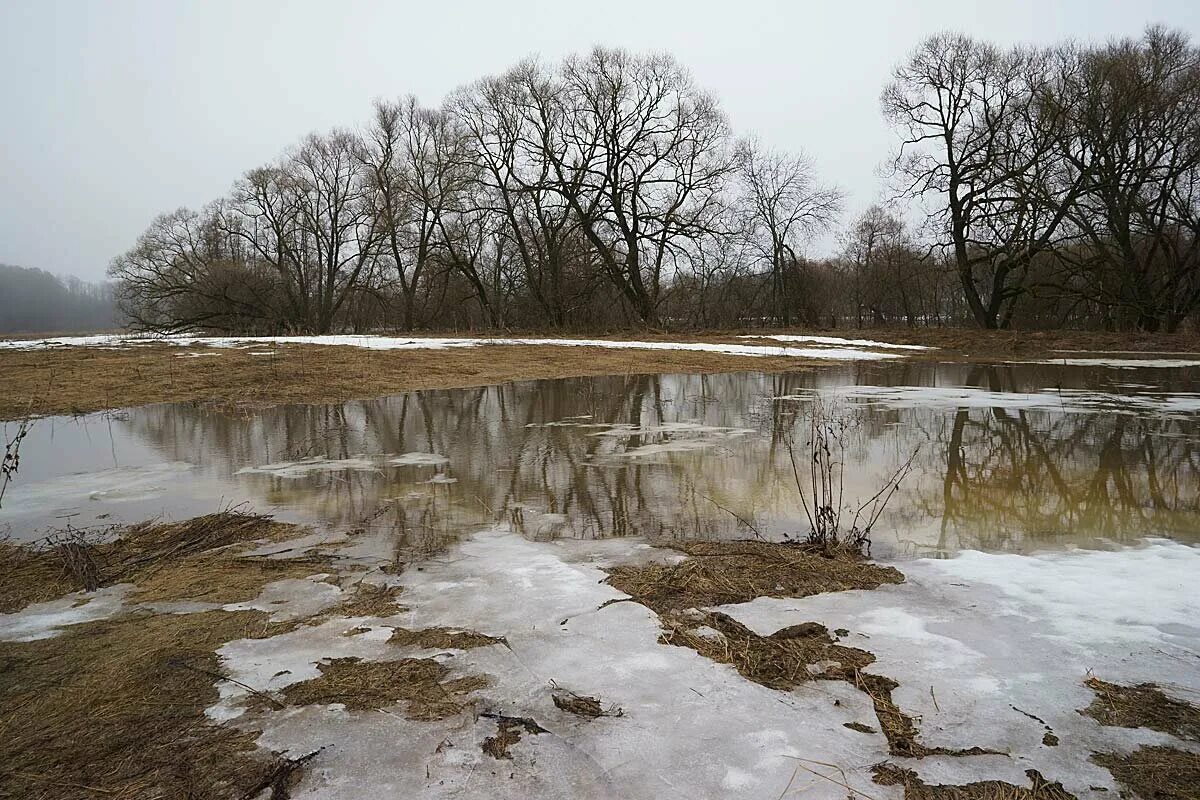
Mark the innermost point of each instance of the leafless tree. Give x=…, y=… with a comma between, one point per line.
x=784, y=205
x=978, y=136
x=1135, y=131
x=641, y=156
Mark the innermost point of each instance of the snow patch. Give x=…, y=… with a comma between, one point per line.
x=435, y=343
x=837, y=340
x=44, y=620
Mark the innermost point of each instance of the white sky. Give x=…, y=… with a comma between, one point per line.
x=114, y=112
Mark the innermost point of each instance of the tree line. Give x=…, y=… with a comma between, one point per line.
x=1051, y=186
x=35, y=301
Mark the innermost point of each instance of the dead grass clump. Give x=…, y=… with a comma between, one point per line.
x=372, y=600
x=795, y=655
x=443, y=639
x=27, y=576
x=116, y=709
x=1142, y=706
x=916, y=789
x=419, y=683
x=1155, y=773
x=582, y=705
x=716, y=573
x=508, y=733
x=775, y=662
x=195, y=559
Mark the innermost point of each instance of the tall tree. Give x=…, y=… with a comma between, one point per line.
x=978, y=129
x=784, y=205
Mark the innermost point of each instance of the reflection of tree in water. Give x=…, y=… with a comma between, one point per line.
x=1002, y=476
x=1015, y=475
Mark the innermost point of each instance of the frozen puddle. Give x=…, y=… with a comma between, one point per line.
x=968, y=639
x=823, y=352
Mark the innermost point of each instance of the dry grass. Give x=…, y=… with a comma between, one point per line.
x=1155, y=773
x=115, y=709
x=195, y=559
x=915, y=789
x=1142, y=706
x=83, y=379
x=717, y=573
x=420, y=684
x=371, y=600
x=443, y=639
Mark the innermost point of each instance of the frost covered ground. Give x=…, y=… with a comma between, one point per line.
x=990, y=650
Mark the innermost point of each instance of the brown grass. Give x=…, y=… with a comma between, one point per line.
x=371, y=600
x=1142, y=706
x=115, y=709
x=77, y=380
x=194, y=559
x=717, y=573
x=420, y=684
x=1155, y=773
x=915, y=789
x=443, y=639
x=83, y=379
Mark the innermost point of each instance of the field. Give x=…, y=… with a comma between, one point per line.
x=935, y=565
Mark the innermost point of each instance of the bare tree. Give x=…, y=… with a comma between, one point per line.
x=978, y=132
x=641, y=157
x=1135, y=131
x=784, y=205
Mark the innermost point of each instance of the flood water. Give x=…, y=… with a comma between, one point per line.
x=1023, y=458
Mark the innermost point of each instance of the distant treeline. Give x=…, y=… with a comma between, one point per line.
x=1029, y=187
x=34, y=301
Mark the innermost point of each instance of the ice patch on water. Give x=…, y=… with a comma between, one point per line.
x=1117, y=363
x=307, y=466
x=362, y=462
x=292, y=598
x=65, y=492
x=1067, y=401
x=418, y=460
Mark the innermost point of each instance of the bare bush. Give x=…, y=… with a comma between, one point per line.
x=821, y=483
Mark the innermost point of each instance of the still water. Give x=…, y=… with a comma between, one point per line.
x=1009, y=458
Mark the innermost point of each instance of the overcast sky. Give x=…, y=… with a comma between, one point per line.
x=114, y=112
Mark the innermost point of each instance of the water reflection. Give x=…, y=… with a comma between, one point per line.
x=656, y=456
